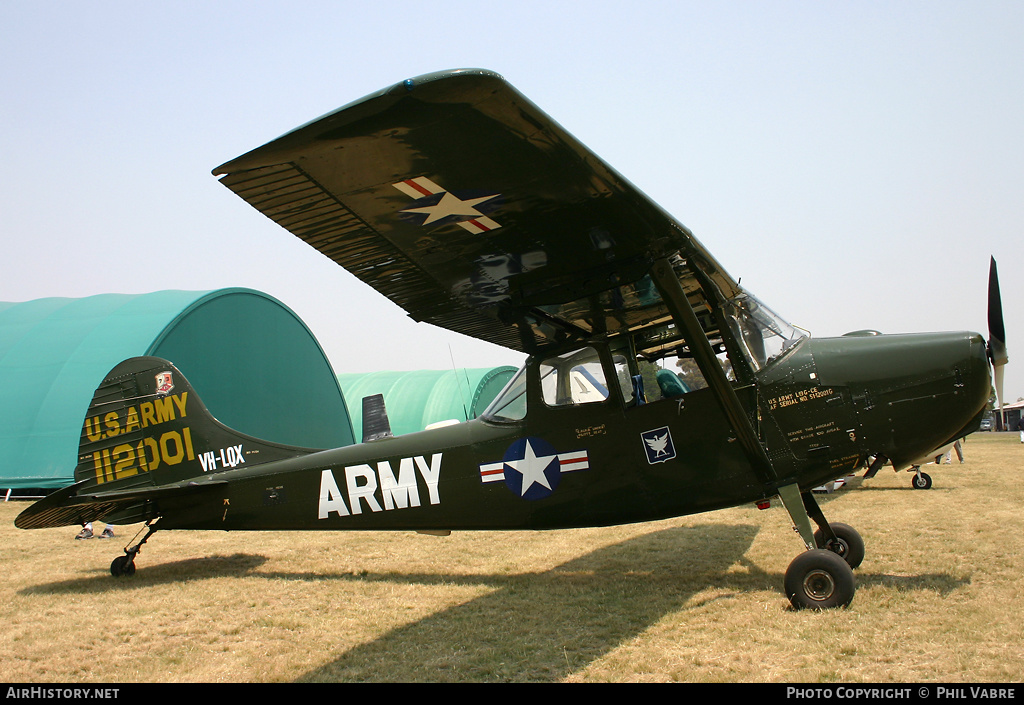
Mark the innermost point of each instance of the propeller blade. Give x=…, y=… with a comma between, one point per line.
x=996, y=330
x=997, y=377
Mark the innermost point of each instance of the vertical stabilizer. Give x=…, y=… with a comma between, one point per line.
x=147, y=426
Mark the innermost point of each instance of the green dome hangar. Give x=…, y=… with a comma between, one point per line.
x=418, y=399
x=254, y=363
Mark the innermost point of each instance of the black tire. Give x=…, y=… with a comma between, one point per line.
x=922, y=481
x=818, y=580
x=122, y=565
x=849, y=543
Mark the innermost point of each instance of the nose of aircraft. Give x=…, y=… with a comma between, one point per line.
x=911, y=394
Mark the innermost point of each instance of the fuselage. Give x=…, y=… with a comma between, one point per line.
x=579, y=450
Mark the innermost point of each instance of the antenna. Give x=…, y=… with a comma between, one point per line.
x=458, y=382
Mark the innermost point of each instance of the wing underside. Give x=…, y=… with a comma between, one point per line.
x=463, y=203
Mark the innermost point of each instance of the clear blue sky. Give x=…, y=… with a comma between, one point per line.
x=854, y=163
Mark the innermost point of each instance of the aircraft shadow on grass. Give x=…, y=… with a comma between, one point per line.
x=544, y=626
x=237, y=565
x=541, y=626
x=532, y=626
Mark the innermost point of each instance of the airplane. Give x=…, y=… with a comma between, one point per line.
x=461, y=201
x=920, y=480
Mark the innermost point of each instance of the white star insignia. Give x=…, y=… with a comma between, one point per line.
x=532, y=467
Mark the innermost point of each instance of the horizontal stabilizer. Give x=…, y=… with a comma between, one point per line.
x=67, y=507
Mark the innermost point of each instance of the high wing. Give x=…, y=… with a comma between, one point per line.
x=462, y=202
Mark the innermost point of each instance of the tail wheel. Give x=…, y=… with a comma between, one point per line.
x=122, y=565
x=848, y=544
x=819, y=579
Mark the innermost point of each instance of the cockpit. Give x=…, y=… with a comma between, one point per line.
x=650, y=363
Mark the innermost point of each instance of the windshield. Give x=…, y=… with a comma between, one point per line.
x=761, y=333
x=510, y=404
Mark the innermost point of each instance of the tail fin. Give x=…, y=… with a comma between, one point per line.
x=147, y=436
x=146, y=427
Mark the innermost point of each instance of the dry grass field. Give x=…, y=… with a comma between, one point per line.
x=695, y=599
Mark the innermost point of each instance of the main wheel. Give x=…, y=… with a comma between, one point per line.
x=122, y=565
x=848, y=543
x=819, y=579
x=921, y=481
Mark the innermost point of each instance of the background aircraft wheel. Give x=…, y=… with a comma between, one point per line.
x=848, y=544
x=122, y=565
x=819, y=579
x=922, y=481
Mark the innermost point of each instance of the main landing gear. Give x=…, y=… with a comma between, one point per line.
x=822, y=576
x=124, y=566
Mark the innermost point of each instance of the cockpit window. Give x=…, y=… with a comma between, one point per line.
x=759, y=331
x=573, y=378
x=667, y=372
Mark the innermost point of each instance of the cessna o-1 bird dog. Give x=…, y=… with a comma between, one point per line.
x=458, y=199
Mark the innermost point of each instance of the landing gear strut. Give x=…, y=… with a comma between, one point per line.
x=822, y=576
x=125, y=565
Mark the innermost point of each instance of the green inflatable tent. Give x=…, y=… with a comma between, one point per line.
x=417, y=399
x=254, y=363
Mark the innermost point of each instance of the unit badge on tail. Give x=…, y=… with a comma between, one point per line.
x=164, y=382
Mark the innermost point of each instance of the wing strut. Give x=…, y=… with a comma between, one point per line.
x=679, y=306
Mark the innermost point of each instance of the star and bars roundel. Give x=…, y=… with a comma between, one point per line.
x=532, y=468
x=435, y=204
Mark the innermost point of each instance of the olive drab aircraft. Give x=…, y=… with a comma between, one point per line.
x=654, y=385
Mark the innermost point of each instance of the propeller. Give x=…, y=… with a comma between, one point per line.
x=996, y=331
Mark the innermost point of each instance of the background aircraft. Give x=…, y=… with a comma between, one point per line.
x=463, y=203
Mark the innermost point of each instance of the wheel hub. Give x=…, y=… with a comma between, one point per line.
x=819, y=585
x=839, y=547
